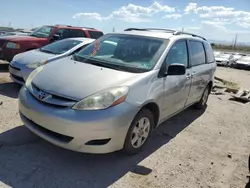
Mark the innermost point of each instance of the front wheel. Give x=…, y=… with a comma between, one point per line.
x=139, y=132
x=203, y=101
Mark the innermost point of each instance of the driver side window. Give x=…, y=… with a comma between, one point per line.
x=178, y=54
x=63, y=33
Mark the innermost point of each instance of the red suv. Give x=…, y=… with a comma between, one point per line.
x=12, y=45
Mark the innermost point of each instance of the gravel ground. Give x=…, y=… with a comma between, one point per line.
x=193, y=149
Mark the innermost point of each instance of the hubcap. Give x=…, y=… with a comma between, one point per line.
x=205, y=96
x=140, y=132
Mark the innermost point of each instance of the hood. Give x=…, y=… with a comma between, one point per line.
x=32, y=56
x=17, y=38
x=77, y=80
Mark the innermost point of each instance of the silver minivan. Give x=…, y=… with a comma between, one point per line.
x=112, y=94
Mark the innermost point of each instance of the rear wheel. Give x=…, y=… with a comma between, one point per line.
x=203, y=101
x=139, y=132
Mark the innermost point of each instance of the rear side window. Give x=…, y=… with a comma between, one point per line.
x=209, y=52
x=77, y=33
x=63, y=33
x=95, y=34
x=198, y=56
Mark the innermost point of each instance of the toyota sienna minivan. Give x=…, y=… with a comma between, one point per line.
x=112, y=94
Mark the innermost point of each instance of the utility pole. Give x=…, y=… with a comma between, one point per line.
x=113, y=29
x=235, y=41
x=182, y=29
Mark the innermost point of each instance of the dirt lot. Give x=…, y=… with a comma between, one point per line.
x=194, y=149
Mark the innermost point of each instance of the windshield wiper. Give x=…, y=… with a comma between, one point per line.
x=107, y=65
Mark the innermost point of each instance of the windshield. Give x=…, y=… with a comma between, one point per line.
x=60, y=47
x=42, y=32
x=123, y=52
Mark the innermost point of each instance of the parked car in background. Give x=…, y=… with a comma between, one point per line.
x=2, y=32
x=237, y=56
x=243, y=63
x=224, y=59
x=13, y=33
x=111, y=95
x=12, y=45
x=24, y=63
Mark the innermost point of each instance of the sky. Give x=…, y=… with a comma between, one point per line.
x=213, y=19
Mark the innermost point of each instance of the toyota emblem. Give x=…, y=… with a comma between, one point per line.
x=42, y=95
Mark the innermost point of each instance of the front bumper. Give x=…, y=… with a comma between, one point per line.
x=74, y=129
x=19, y=72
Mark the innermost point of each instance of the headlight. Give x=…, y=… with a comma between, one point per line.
x=103, y=99
x=12, y=45
x=36, y=64
x=32, y=76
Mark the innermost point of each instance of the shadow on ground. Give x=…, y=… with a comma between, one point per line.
x=9, y=89
x=28, y=161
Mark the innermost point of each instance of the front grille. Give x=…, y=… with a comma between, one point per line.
x=56, y=136
x=54, y=100
x=55, y=96
x=14, y=67
x=2, y=43
x=17, y=78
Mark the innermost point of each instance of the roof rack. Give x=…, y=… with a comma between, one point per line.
x=186, y=33
x=75, y=26
x=88, y=28
x=164, y=30
x=150, y=29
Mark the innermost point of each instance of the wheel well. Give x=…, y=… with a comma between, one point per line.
x=210, y=84
x=154, y=108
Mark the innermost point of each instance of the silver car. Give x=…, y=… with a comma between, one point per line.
x=23, y=64
x=224, y=59
x=112, y=94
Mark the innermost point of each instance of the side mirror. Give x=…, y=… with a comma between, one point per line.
x=55, y=37
x=176, y=69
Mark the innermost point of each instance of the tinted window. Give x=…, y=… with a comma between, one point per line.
x=95, y=34
x=77, y=33
x=178, y=54
x=209, y=52
x=42, y=32
x=63, y=33
x=60, y=47
x=123, y=51
x=197, y=53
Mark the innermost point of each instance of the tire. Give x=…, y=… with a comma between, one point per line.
x=139, y=130
x=203, y=101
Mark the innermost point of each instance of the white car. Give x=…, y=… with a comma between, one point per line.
x=224, y=59
x=24, y=63
x=216, y=53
